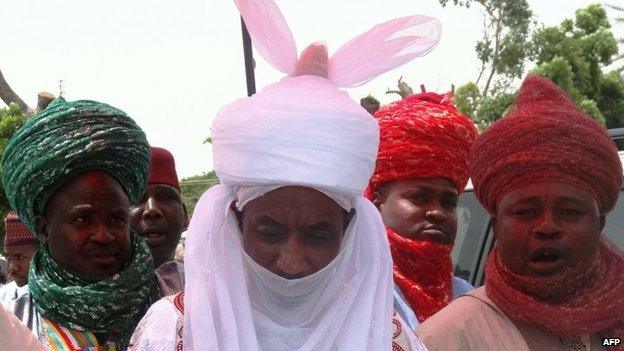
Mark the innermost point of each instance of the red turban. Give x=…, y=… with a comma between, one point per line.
x=162, y=168
x=17, y=233
x=545, y=137
x=423, y=136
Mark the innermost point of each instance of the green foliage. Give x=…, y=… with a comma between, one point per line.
x=505, y=44
x=503, y=51
x=575, y=54
x=193, y=188
x=11, y=119
x=467, y=98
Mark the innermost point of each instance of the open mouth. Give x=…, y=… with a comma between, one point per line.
x=546, y=259
x=153, y=236
x=545, y=255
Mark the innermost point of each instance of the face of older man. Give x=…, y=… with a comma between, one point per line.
x=420, y=209
x=86, y=225
x=545, y=227
x=293, y=231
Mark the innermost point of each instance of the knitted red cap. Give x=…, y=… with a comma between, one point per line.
x=162, y=168
x=17, y=233
x=423, y=136
x=545, y=137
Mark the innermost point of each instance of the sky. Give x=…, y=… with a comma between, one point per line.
x=172, y=65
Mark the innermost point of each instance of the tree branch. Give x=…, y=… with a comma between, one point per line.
x=8, y=96
x=496, y=49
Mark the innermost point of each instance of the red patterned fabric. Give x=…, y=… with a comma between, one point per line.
x=162, y=168
x=17, y=233
x=423, y=136
x=581, y=300
x=423, y=272
x=545, y=137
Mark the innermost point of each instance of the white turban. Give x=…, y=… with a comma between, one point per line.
x=301, y=131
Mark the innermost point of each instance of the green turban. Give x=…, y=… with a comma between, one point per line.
x=67, y=139
x=54, y=146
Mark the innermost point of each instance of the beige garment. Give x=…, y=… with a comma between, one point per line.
x=162, y=328
x=14, y=335
x=474, y=323
x=170, y=277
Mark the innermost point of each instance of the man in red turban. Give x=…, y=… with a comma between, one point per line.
x=19, y=247
x=548, y=174
x=421, y=169
x=160, y=217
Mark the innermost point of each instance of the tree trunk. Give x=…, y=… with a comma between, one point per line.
x=8, y=96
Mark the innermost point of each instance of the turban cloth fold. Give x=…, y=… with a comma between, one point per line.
x=545, y=137
x=423, y=136
x=66, y=139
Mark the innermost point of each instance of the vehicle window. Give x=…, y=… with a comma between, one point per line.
x=614, y=227
x=472, y=225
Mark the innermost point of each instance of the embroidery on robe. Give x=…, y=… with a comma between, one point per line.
x=60, y=338
x=399, y=339
x=178, y=302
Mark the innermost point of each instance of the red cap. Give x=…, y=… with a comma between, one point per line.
x=17, y=233
x=162, y=168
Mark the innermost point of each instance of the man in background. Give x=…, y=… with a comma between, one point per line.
x=160, y=218
x=19, y=247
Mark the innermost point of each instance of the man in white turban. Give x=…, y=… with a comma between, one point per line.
x=286, y=254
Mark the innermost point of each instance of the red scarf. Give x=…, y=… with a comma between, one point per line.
x=423, y=272
x=588, y=299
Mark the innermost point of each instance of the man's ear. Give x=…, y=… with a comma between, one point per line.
x=238, y=214
x=348, y=217
x=494, y=224
x=378, y=199
x=42, y=228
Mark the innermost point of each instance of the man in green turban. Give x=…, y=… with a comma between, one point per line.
x=71, y=173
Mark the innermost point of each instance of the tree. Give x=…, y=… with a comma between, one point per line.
x=193, y=187
x=619, y=10
x=575, y=55
x=503, y=51
x=11, y=119
x=505, y=44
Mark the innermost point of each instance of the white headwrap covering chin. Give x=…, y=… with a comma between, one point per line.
x=301, y=131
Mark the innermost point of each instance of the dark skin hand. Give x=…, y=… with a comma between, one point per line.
x=160, y=218
x=293, y=231
x=18, y=261
x=545, y=227
x=86, y=226
x=419, y=209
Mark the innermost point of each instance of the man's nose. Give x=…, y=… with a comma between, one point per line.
x=102, y=234
x=547, y=226
x=292, y=257
x=151, y=209
x=435, y=213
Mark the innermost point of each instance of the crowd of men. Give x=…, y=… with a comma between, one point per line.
x=330, y=229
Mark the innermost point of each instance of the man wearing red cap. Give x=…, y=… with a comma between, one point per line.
x=19, y=247
x=421, y=169
x=161, y=218
x=548, y=174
